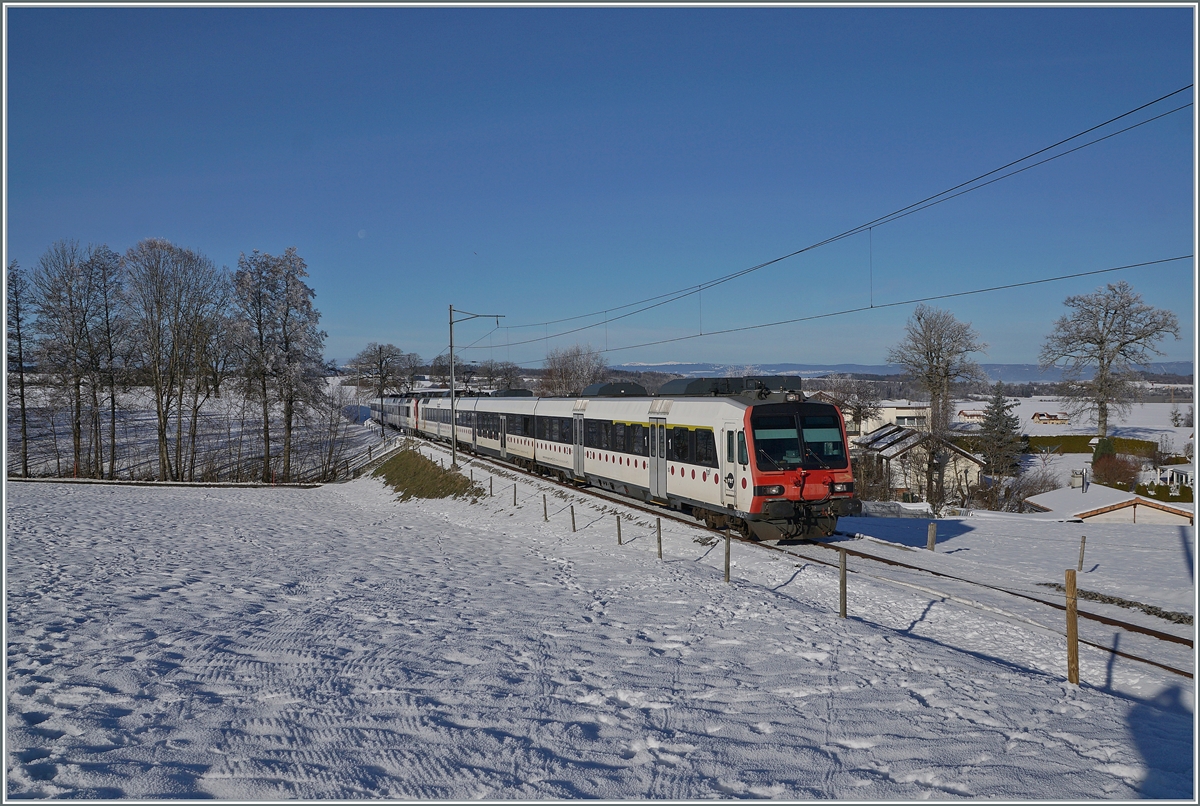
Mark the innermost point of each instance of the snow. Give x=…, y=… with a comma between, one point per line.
x=332, y=642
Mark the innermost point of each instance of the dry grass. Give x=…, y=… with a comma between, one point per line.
x=413, y=476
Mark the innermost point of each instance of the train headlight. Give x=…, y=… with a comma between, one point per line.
x=793, y=397
x=843, y=487
x=773, y=489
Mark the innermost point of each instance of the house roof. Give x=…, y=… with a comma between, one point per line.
x=1074, y=502
x=891, y=441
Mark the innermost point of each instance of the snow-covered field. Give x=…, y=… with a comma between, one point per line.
x=333, y=643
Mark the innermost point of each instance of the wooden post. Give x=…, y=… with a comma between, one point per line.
x=931, y=540
x=618, y=530
x=658, y=528
x=1082, y=543
x=841, y=583
x=514, y=495
x=1072, y=630
x=727, y=556
x=545, y=511
x=572, y=517
x=471, y=470
x=491, y=486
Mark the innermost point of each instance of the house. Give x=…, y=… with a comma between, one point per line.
x=1051, y=418
x=972, y=415
x=1095, y=502
x=902, y=455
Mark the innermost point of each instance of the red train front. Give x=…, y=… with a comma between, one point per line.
x=798, y=459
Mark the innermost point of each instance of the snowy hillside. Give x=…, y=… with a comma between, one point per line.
x=333, y=643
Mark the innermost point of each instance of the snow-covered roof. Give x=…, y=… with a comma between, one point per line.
x=890, y=441
x=1076, y=503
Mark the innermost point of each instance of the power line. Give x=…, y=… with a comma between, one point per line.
x=862, y=308
x=937, y=198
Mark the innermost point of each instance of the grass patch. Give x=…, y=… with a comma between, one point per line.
x=1078, y=443
x=412, y=475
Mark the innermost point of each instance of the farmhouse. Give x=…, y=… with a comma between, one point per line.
x=1095, y=502
x=1051, y=418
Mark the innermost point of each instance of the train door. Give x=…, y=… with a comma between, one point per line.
x=729, y=466
x=503, y=435
x=658, y=458
x=577, y=442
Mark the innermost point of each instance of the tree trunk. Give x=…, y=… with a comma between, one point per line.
x=266, y=403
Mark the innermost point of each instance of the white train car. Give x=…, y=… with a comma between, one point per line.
x=750, y=453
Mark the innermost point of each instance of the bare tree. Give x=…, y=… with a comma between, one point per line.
x=172, y=293
x=109, y=339
x=858, y=399
x=408, y=367
x=935, y=351
x=439, y=369
x=508, y=375
x=377, y=368
x=569, y=370
x=18, y=331
x=1109, y=332
x=64, y=301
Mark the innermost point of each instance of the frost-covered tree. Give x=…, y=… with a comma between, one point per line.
x=1108, y=332
x=857, y=398
x=280, y=340
x=569, y=370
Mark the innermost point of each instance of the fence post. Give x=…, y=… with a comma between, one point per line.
x=619, y=530
x=545, y=511
x=658, y=528
x=572, y=517
x=841, y=583
x=931, y=539
x=1082, y=543
x=491, y=486
x=471, y=470
x=1072, y=630
x=514, y=495
x=727, y=555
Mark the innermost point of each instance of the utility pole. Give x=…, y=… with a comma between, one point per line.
x=453, y=396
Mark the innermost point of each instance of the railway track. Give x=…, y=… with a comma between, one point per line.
x=792, y=548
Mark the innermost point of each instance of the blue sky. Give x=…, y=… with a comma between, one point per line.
x=547, y=163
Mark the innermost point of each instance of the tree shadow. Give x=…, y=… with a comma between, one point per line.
x=1162, y=730
x=1186, y=538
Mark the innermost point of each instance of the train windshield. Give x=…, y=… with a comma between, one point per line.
x=789, y=441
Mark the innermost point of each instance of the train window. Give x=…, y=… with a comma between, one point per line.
x=680, y=444
x=618, y=438
x=823, y=446
x=729, y=454
x=528, y=426
x=637, y=440
x=743, y=457
x=653, y=442
x=706, y=448
x=565, y=429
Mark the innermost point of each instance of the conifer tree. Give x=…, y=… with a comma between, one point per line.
x=1000, y=435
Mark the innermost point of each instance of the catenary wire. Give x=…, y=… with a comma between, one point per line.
x=900, y=213
x=665, y=299
x=880, y=306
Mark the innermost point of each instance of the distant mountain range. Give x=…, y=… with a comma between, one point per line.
x=1008, y=373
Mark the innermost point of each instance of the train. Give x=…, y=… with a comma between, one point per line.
x=751, y=454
